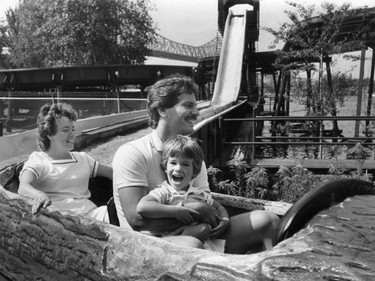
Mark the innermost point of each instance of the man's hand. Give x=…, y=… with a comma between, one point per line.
x=206, y=213
x=185, y=215
x=220, y=228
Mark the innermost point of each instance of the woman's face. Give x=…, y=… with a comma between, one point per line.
x=179, y=172
x=65, y=134
x=182, y=117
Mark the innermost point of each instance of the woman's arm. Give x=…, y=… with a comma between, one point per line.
x=28, y=190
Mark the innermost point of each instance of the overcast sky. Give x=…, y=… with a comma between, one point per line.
x=194, y=22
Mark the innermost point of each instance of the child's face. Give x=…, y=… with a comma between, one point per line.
x=179, y=172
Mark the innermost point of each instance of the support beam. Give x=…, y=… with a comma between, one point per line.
x=371, y=87
x=360, y=86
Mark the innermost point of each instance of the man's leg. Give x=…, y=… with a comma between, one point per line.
x=187, y=241
x=200, y=231
x=251, y=231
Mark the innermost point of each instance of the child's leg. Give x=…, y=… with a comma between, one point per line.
x=201, y=231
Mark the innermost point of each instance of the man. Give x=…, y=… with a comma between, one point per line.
x=136, y=166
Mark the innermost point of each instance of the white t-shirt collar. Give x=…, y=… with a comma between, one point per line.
x=156, y=142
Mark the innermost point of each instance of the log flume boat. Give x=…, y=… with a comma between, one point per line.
x=56, y=245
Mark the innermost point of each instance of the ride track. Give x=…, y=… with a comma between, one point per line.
x=54, y=245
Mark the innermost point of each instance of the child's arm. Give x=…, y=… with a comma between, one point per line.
x=149, y=207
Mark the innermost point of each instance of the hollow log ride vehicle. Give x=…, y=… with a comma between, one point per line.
x=311, y=240
x=56, y=245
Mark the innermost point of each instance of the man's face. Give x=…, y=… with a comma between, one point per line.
x=182, y=117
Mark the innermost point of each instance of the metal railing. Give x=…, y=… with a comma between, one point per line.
x=300, y=137
x=20, y=113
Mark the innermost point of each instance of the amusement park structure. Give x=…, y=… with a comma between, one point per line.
x=230, y=70
x=57, y=245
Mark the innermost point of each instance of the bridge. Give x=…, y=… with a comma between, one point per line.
x=166, y=48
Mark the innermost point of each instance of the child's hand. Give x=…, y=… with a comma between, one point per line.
x=223, y=224
x=184, y=215
x=40, y=200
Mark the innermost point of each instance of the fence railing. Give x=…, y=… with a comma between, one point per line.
x=288, y=133
x=20, y=113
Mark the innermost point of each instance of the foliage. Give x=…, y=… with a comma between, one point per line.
x=360, y=153
x=342, y=86
x=293, y=184
x=312, y=36
x=44, y=33
x=250, y=184
x=287, y=184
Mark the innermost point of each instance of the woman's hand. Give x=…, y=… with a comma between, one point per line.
x=40, y=200
x=223, y=224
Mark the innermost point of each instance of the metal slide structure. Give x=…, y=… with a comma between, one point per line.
x=228, y=80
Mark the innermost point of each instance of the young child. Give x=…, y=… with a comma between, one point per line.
x=182, y=159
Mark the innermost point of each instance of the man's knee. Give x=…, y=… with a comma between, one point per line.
x=264, y=222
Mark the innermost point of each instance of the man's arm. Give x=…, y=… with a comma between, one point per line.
x=129, y=198
x=105, y=171
x=150, y=207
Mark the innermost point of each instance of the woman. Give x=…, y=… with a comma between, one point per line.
x=55, y=175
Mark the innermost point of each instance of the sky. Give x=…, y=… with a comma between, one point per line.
x=194, y=22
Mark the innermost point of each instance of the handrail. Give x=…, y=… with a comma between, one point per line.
x=297, y=137
x=302, y=118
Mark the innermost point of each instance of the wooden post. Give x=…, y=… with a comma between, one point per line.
x=58, y=93
x=360, y=85
x=287, y=103
x=371, y=88
x=10, y=108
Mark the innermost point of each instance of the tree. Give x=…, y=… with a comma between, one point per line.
x=45, y=33
x=312, y=37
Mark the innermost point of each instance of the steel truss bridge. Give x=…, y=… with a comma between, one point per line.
x=166, y=48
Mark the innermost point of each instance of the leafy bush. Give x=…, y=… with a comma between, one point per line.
x=287, y=184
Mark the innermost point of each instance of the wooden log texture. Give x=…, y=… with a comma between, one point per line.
x=53, y=245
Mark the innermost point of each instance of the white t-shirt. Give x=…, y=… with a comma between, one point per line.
x=137, y=164
x=64, y=181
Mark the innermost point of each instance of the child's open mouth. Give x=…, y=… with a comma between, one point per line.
x=177, y=178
